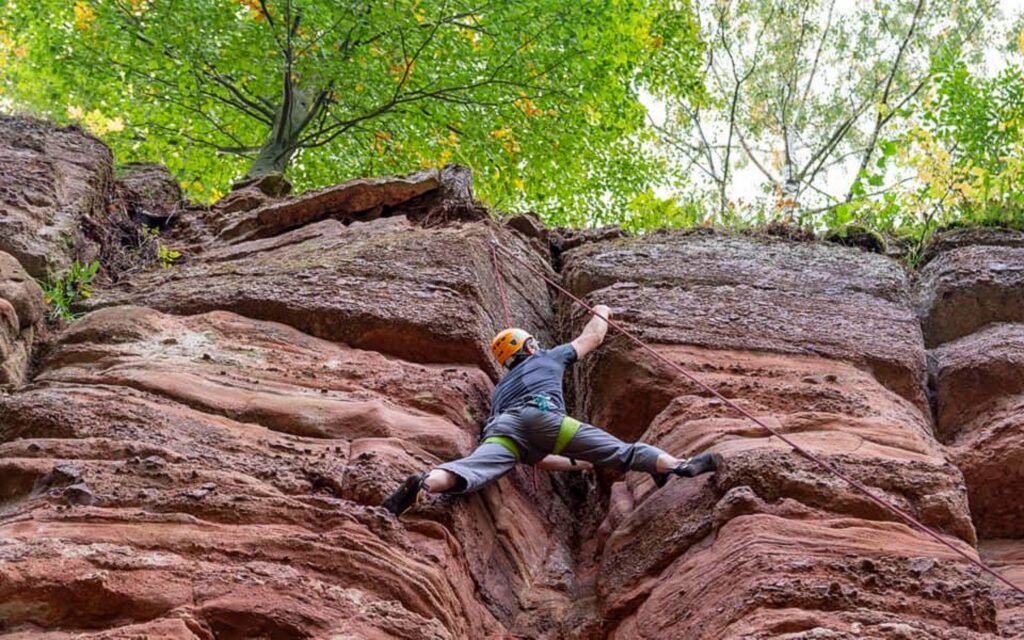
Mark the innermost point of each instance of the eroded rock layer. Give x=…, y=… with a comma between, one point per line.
x=203, y=453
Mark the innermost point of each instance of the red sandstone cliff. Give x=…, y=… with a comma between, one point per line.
x=201, y=455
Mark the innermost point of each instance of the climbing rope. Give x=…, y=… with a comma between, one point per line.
x=503, y=294
x=906, y=517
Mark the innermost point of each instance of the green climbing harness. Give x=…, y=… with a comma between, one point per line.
x=566, y=432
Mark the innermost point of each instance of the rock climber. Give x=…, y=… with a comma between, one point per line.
x=528, y=424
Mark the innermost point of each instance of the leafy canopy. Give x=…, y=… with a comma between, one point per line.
x=539, y=97
x=961, y=158
x=802, y=92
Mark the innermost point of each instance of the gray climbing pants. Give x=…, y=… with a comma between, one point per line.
x=527, y=434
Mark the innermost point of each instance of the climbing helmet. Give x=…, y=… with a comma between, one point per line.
x=508, y=343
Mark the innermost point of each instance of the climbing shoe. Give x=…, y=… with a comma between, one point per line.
x=703, y=463
x=406, y=494
x=659, y=479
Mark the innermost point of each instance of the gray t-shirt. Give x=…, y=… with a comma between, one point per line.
x=541, y=373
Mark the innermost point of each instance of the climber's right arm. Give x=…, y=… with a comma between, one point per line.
x=593, y=334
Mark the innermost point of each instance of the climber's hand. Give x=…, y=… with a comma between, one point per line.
x=561, y=463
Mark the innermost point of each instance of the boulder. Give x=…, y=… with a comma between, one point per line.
x=54, y=183
x=419, y=194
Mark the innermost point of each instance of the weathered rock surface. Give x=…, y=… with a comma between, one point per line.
x=151, y=192
x=1007, y=557
x=21, y=310
x=388, y=285
x=222, y=462
x=967, y=287
x=357, y=200
x=53, y=182
x=760, y=294
x=821, y=342
x=974, y=311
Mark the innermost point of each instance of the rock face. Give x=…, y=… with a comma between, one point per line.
x=151, y=193
x=54, y=183
x=202, y=455
x=967, y=287
x=387, y=285
x=822, y=342
x=977, y=368
x=21, y=310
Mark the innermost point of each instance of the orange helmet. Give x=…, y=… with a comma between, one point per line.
x=508, y=343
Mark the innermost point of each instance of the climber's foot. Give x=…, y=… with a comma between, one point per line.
x=703, y=463
x=405, y=495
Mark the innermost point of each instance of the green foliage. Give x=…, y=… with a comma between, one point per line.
x=64, y=290
x=539, y=97
x=165, y=256
x=962, y=157
x=798, y=90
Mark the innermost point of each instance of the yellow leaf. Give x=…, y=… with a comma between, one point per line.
x=84, y=15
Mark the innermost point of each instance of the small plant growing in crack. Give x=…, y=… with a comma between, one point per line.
x=165, y=256
x=63, y=291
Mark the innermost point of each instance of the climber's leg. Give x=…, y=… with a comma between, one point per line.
x=602, y=449
x=488, y=462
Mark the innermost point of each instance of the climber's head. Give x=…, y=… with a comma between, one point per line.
x=512, y=346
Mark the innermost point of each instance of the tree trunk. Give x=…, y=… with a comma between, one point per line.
x=276, y=153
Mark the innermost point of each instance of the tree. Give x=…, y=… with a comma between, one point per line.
x=539, y=96
x=799, y=88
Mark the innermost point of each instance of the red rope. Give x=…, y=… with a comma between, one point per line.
x=501, y=286
x=909, y=519
x=503, y=294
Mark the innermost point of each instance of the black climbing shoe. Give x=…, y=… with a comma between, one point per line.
x=703, y=463
x=406, y=495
